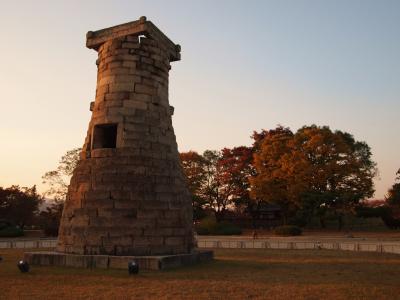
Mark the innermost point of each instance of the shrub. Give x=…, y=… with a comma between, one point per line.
x=390, y=221
x=372, y=212
x=209, y=226
x=4, y=224
x=288, y=230
x=11, y=231
x=51, y=230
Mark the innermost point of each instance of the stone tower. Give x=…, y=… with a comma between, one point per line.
x=127, y=195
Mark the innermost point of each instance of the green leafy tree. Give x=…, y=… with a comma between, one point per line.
x=49, y=219
x=391, y=212
x=393, y=196
x=19, y=205
x=341, y=170
x=210, y=191
x=58, y=180
x=194, y=168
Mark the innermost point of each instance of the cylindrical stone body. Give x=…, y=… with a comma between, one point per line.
x=128, y=195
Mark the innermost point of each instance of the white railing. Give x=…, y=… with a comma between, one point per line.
x=300, y=245
x=385, y=247
x=22, y=244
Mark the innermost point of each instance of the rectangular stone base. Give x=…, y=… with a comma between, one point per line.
x=117, y=262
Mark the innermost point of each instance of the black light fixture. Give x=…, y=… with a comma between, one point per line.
x=133, y=268
x=1, y=258
x=23, y=266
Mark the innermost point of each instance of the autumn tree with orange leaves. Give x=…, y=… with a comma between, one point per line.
x=281, y=171
x=314, y=170
x=235, y=170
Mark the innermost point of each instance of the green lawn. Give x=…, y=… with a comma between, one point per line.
x=235, y=274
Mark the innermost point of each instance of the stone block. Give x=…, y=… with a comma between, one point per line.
x=149, y=241
x=78, y=261
x=135, y=104
x=156, y=263
x=45, y=258
x=129, y=64
x=103, y=152
x=115, y=64
x=150, y=213
x=132, y=38
x=172, y=214
x=113, y=103
x=117, y=96
x=125, y=204
x=140, y=97
x=169, y=223
x=120, y=195
x=145, y=89
x=122, y=87
x=174, y=241
x=117, y=71
x=118, y=240
x=155, y=205
x=97, y=195
x=131, y=45
x=128, y=78
x=106, y=80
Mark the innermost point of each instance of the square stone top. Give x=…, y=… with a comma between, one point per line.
x=94, y=39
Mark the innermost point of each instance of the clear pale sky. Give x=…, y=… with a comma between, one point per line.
x=246, y=65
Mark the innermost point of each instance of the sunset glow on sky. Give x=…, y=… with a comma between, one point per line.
x=246, y=65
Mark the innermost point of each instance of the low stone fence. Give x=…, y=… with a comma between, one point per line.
x=22, y=244
x=380, y=247
x=301, y=245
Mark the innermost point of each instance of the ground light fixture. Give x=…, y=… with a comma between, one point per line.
x=23, y=266
x=133, y=268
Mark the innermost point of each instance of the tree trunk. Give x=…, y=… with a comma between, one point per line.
x=340, y=222
x=322, y=222
x=285, y=219
x=219, y=215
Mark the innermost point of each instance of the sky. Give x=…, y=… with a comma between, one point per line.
x=246, y=65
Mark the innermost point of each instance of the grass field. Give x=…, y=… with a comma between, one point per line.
x=235, y=274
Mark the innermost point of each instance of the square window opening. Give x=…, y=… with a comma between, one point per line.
x=105, y=136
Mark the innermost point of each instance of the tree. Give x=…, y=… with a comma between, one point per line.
x=194, y=168
x=235, y=168
x=392, y=216
x=280, y=178
x=19, y=204
x=217, y=179
x=58, y=179
x=49, y=219
x=211, y=187
x=341, y=170
x=393, y=196
x=313, y=171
